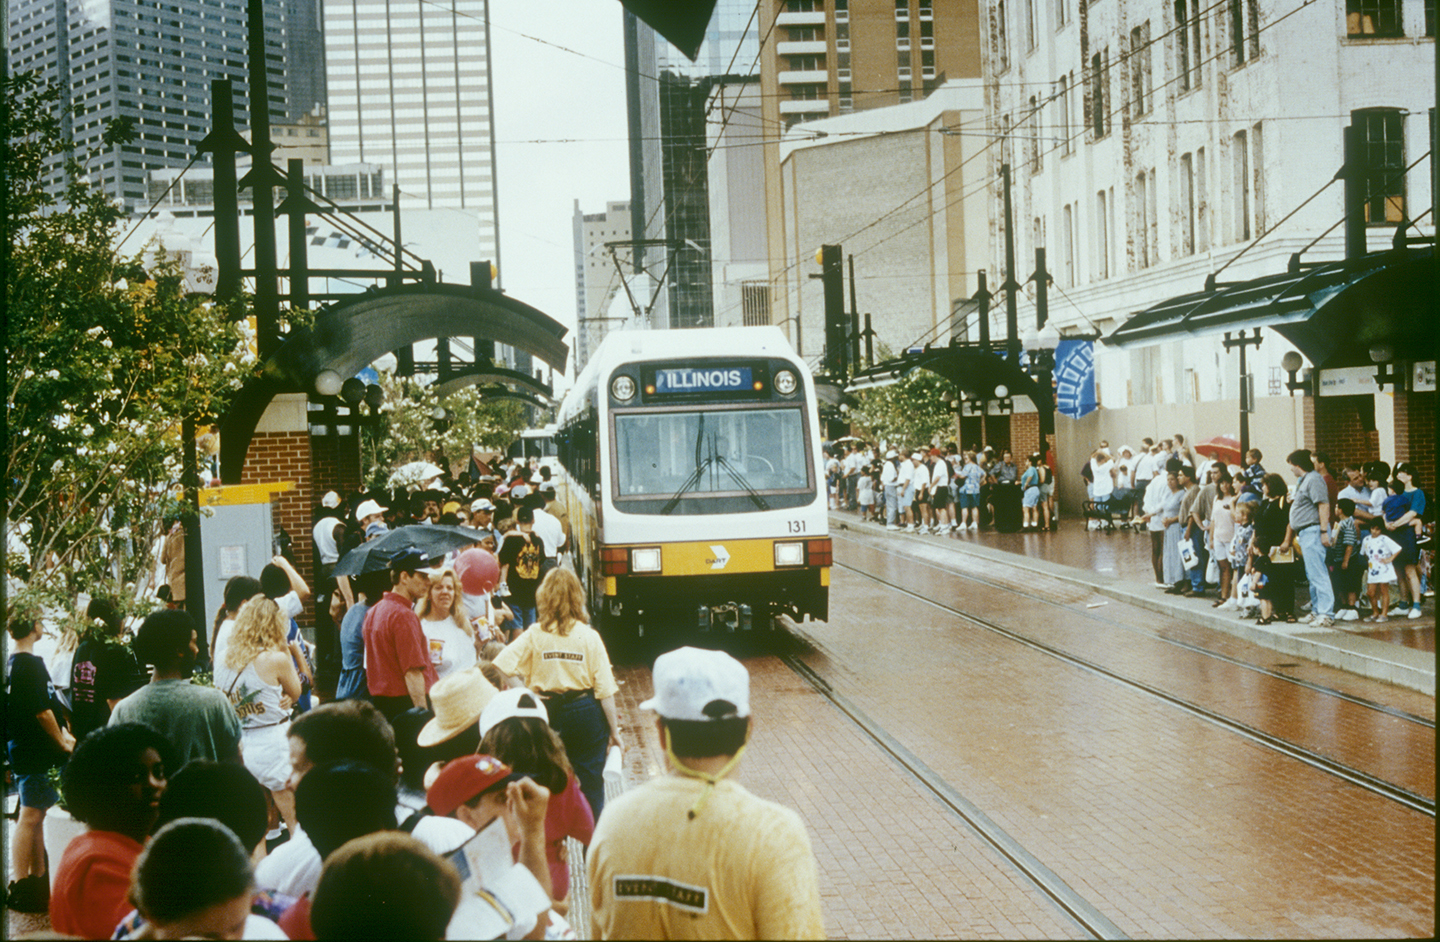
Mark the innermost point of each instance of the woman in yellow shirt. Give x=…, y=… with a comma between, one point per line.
x=566, y=663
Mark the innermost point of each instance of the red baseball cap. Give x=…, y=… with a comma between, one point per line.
x=462, y=779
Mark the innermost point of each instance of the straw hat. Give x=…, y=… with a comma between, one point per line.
x=458, y=701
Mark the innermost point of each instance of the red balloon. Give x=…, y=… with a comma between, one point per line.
x=478, y=570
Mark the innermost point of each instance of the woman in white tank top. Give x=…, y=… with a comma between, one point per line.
x=258, y=675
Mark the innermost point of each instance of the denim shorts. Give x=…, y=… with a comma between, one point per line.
x=36, y=791
x=967, y=501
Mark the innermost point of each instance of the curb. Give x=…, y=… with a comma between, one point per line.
x=1333, y=647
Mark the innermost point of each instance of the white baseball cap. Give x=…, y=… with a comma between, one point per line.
x=891, y=453
x=506, y=705
x=331, y=500
x=481, y=504
x=367, y=508
x=697, y=684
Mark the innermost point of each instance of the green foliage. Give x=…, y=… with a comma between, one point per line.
x=408, y=431
x=915, y=411
x=106, y=356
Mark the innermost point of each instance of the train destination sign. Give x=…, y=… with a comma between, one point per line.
x=709, y=379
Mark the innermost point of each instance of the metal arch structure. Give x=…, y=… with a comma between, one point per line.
x=491, y=376
x=519, y=395
x=973, y=369
x=348, y=336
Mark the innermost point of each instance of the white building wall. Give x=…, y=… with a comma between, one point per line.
x=1291, y=97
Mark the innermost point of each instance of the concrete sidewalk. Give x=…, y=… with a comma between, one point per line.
x=1117, y=564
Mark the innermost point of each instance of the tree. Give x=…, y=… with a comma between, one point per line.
x=408, y=430
x=106, y=356
x=913, y=411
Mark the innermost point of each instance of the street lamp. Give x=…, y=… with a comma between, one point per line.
x=1387, y=373
x=328, y=383
x=1291, y=363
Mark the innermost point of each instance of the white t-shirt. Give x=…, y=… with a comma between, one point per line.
x=324, y=534
x=549, y=530
x=1144, y=467
x=940, y=475
x=294, y=867
x=1104, y=484
x=451, y=649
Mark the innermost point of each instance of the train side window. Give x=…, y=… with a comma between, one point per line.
x=579, y=452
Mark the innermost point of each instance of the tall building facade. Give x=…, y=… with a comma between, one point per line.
x=409, y=88
x=831, y=57
x=667, y=98
x=153, y=64
x=597, y=276
x=1152, y=142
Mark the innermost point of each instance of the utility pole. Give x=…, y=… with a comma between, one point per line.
x=982, y=295
x=853, y=348
x=1247, y=389
x=222, y=143
x=1012, y=332
x=1043, y=361
x=832, y=279
x=261, y=180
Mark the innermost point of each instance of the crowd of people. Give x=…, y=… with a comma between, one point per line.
x=938, y=490
x=243, y=793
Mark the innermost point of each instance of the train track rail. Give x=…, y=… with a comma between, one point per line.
x=1356, y=777
x=1174, y=642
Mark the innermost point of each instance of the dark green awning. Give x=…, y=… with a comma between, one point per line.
x=1331, y=312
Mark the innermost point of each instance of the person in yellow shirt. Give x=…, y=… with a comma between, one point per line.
x=692, y=854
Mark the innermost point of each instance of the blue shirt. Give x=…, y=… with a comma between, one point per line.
x=973, y=476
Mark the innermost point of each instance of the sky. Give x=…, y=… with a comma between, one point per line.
x=573, y=98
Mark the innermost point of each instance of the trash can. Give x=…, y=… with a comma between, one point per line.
x=1005, y=498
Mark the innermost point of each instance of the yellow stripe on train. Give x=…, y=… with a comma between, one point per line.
x=719, y=556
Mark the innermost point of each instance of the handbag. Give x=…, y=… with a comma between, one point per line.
x=1212, y=571
x=1277, y=556
x=1188, y=557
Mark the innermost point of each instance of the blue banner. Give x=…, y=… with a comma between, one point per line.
x=1075, y=378
x=715, y=379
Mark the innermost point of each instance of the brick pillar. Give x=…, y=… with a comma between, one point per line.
x=1344, y=428
x=1024, y=435
x=1415, y=436
x=280, y=451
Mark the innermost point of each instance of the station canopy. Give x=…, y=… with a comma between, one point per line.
x=1332, y=312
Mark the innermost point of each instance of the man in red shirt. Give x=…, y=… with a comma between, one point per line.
x=397, y=657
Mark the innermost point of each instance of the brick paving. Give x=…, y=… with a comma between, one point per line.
x=1170, y=825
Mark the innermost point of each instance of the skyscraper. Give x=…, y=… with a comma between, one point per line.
x=153, y=64
x=667, y=104
x=409, y=88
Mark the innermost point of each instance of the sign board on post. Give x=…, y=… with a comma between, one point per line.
x=1348, y=381
x=236, y=530
x=1422, y=377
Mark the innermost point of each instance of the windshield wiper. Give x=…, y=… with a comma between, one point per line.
x=700, y=466
x=735, y=476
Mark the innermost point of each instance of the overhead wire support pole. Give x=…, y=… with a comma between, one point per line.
x=1247, y=390
x=222, y=143
x=1012, y=316
x=261, y=180
x=854, y=346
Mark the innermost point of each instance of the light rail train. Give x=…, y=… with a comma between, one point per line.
x=693, y=480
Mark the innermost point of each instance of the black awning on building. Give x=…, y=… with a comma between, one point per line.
x=1332, y=312
x=681, y=22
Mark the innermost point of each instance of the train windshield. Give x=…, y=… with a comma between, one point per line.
x=681, y=461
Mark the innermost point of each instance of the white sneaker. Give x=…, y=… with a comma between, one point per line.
x=974, y=525
x=1347, y=614
x=1414, y=612
x=1226, y=605
x=891, y=526
x=1305, y=607
x=910, y=528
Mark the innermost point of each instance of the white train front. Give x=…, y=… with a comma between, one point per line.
x=694, y=480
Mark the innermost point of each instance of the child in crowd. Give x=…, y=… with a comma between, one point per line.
x=1244, y=513
x=865, y=492
x=1380, y=550
x=1344, y=565
x=1253, y=474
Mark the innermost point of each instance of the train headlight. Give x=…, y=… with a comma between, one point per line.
x=789, y=554
x=645, y=560
x=622, y=387
x=786, y=382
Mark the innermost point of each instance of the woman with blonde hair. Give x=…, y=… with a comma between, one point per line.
x=258, y=674
x=451, y=637
x=566, y=663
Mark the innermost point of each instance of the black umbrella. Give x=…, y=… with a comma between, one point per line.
x=429, y=540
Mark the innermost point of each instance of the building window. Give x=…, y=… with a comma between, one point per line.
x=1099, y=94
x=1187, y=204
x=1244, y=18
x=902, y=62
x=1142, y=220
x=1067, y=246
x=1257, y=169
x=902, y=9
x=804, y=6
x=1030, y=25
x=1062, y=12
x=907, y=88
x=754, y=303
x=1002, y=42
x=1140, y=87
x=1430, y=18
x=1202, y=204
x=1187, y=44
x=1102, y=238
x=1007, y=156
x=927, y=63
x=1382, y=149
x=1036, y=161
x=1062, y=100
x=1369, y=18
x=806, y=63
x=1240, y=184
x=806, y=34
x=842, y=10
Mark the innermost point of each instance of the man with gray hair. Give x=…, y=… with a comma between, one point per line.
x=692, y=854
